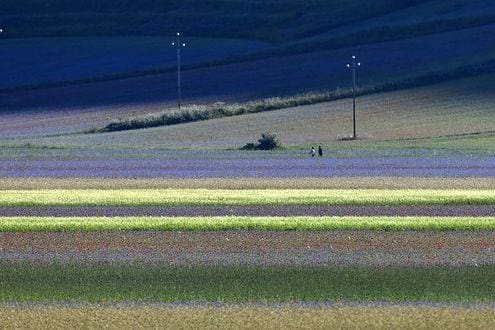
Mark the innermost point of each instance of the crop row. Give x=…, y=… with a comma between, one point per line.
x=365, y=182
x=25, y=224
x=245, y=316
x=252, y=248
x=117, y=282
x=205, y=197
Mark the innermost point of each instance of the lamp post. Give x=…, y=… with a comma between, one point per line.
x=354, y=66
x=178, y=44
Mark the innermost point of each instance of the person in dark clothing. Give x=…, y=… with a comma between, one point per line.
x=320, y=151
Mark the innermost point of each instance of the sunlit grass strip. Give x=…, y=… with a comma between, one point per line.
x=28, y=224
x=111, y=282
x=249, y=183
x=205, y=197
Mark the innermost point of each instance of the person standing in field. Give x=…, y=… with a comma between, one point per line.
x=313, y=152
x=320, y=151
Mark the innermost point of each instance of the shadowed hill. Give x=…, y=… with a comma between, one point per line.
x=289, y=26
x=268, y=20
x=277, y=76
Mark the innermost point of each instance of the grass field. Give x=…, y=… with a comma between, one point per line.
x=207, y=197
x=33, y=224
x=106, y=283
x=245, y=317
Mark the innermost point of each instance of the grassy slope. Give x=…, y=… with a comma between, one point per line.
x=51, y=224
x=75, y=108
x=206, y=197
x=83, y=107
x=104, y=283
x=453, y=108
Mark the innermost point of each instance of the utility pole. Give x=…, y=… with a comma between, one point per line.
x=354, y=66
x=179, y=45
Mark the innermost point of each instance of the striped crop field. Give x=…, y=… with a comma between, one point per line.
x=238, y=249
x=249, y=197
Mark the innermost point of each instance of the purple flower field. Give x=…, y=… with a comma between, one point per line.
x=270, y=210
x=234, y=248
x=231, y=168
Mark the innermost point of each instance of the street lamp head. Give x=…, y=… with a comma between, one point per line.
x=353, y=57
x=183, y=45
x=348, y=65
x=173, y=43
x=1, y=30
x=178, y=33
x=359, y=64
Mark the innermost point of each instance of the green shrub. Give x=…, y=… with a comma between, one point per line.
x=268, y=141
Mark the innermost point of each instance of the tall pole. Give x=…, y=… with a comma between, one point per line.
x=354, y=66
x=179, y=45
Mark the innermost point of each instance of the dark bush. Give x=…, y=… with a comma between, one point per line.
x=268, y=141
x=249, y=146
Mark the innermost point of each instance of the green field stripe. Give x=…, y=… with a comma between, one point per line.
x=207, y=197
x=27, y=224
x=114, y=282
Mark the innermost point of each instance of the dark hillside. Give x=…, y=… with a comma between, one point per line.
x=268, y=20
x=309, y=43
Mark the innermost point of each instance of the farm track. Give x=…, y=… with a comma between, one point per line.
x=266, y=210
x=253, y=248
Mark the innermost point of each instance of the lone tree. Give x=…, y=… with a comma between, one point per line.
x=268, y=141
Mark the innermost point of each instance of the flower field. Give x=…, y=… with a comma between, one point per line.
x=127, y=199
x=365, y=248
x=238, y=247
x=235, y=165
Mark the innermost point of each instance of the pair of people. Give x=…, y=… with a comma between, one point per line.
x=313, y=151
